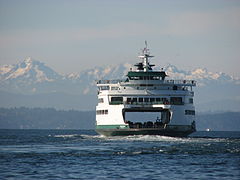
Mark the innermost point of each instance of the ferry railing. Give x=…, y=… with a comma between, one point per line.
x=177, y=82
x=116, y=81
x=154, y=103
x=138, y=103
x=182, y=82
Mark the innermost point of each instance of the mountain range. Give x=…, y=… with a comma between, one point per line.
x=31, y=83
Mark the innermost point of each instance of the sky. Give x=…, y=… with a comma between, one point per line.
x=73, y=35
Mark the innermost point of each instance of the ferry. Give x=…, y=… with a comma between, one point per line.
x=146, y=102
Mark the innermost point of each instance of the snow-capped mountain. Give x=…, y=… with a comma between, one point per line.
x=28, y=71
x=201, y=75
x=27, y=76
x=119, y=71
x=31, y=77
x=35, y=77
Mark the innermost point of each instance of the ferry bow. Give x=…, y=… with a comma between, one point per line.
x=145, y=103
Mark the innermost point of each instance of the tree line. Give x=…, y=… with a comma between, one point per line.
x=50, y=118
x=45, y=118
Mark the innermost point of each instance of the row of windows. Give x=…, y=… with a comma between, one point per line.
x=173, y=100
x=130, y=100
x=189, y=112
x=100, y=112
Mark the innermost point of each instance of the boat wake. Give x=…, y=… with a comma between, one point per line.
x=143, y=138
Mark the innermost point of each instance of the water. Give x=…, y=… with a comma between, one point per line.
x=77, y=154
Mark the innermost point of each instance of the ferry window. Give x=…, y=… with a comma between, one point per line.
x=114, y=88
x=176, y=100
x=104, y=87
x=105, y=111
x=98, y=112
x=101, y=112
x=146, y=99
x=134, y=100
x=135, y=78
x=152, y=99
x=100, y=100
x=191, y=100
x=189, y=112
x=128, y=100
x=140, y=99
x=116, y=99
x=158, y=99
x=164, y=99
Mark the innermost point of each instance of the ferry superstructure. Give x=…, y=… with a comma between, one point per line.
x=160, y=106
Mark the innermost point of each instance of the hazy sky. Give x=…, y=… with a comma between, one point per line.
x=70, y=35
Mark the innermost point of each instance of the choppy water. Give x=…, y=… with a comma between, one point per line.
x=77, y=154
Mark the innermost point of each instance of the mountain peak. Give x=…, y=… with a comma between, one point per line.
x=29, y=70
x=28, y=60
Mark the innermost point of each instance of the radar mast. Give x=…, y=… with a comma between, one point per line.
x=144, y=65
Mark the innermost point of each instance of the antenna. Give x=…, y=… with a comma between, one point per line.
x=145, y=50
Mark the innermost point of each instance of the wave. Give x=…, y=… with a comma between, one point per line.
x=158, y=138
x=66, y=135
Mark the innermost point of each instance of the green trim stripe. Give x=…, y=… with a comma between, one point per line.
x=155, y=73
x=112, y=126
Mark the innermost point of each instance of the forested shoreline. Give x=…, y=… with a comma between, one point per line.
x=50, y=118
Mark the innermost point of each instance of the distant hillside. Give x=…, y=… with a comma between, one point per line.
x=45, y=118
x=49, y=118
x=228, y=121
